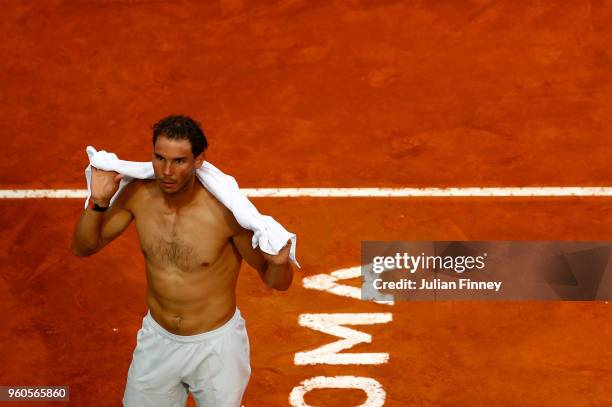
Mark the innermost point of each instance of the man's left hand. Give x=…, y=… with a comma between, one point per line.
x=281, y=258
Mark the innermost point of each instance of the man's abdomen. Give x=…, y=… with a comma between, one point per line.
x=197, y=300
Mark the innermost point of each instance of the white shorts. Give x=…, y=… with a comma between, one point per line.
x=214, y=366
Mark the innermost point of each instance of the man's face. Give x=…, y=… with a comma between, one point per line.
x=174, y=164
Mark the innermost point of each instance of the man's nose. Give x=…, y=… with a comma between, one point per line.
x=168, y=168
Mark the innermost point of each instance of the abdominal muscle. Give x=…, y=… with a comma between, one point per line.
x=189, y=302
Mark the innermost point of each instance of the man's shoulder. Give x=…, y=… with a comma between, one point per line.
x=208, y=201
x=137, y=190
x=138, y=185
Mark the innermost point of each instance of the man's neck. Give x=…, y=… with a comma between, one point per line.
x=183, y=197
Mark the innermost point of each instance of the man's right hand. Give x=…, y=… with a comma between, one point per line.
x=104, y=185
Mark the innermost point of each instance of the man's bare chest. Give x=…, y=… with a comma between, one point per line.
x=188, y=240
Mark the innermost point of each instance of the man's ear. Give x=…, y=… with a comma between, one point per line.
x=199, y=160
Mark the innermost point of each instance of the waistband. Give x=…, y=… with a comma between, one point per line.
x=197, y=337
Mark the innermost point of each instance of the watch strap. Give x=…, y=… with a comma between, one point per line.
x=99, y=208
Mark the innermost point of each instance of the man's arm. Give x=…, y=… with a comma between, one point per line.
x=94, y=230
x=275, y=271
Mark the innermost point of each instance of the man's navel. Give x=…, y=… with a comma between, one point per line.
x=177, y=320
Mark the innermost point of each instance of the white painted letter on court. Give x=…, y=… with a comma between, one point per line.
x=332, y=324
x=329, y=283
x=374, y=391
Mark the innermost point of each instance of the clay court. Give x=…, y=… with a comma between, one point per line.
x=315, y=94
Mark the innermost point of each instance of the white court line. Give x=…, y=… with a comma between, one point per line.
x=355, y=192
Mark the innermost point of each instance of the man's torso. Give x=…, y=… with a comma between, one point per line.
x=191, y=264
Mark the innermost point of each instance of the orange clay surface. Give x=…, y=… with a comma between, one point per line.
x=305, y=94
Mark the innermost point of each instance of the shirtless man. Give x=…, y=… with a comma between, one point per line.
x=193, y=337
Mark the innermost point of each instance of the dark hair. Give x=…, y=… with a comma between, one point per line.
x=178, y=127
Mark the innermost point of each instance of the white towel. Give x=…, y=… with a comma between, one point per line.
x=268, y=234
